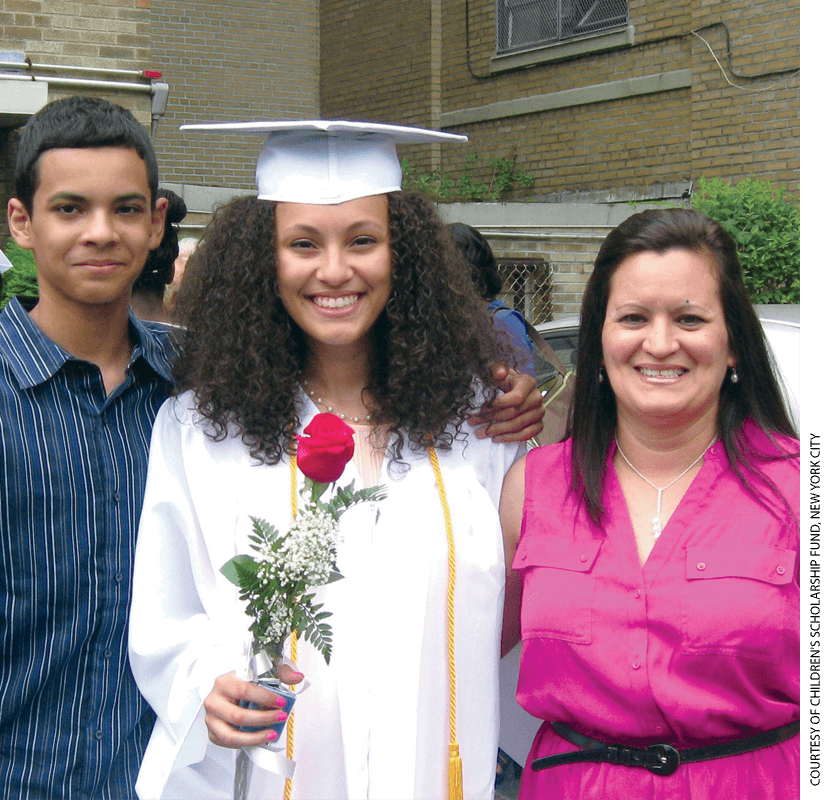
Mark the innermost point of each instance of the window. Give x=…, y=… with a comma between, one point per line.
x=527, y=23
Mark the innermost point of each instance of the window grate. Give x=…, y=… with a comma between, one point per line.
x=527, y=23
x=527, y=287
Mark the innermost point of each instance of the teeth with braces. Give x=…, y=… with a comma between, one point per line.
x=336, y=302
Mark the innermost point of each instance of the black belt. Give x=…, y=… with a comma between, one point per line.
x=662, y=759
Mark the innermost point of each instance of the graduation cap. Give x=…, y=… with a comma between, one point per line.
x=328, y=161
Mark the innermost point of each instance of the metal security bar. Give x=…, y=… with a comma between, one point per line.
x=527, y=287
x=528, y=23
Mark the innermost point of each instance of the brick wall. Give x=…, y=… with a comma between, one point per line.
x=231, y=61
x=380, y=61
x=753, y=129
x=109, y=34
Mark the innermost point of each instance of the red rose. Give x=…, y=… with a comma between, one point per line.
x=324, y=453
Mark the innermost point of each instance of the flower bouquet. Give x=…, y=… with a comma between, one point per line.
x=279, y=583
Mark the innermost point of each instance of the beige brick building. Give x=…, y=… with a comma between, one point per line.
x=602, y=101
x=632, y=105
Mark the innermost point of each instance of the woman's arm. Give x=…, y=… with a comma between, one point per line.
x=510, y=512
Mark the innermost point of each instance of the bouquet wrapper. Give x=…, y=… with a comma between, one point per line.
x=270, y=756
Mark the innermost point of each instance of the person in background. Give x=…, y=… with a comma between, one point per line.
x=148, y=291
x=333, y=292
x=187, y=246
x=488, y=282
x=656, y=549
x=81, y=379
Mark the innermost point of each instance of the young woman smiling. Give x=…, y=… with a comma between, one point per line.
x=347, y=296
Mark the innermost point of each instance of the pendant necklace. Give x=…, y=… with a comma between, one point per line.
x=323, y=406
x=656, y=522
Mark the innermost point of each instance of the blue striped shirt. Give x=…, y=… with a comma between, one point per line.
x=73, y=463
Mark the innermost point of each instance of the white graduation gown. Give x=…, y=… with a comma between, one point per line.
x=374, y=723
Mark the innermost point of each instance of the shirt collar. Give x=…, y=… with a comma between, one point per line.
x=34, y=358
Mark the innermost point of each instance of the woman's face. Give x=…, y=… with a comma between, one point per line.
x=334, y=268
x=665, y=345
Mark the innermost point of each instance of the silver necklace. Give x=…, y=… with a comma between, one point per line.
x=323, y=406
x=656, y=522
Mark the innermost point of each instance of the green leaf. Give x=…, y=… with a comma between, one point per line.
x=240, y=570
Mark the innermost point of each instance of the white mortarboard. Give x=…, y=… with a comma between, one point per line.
x=328, y=161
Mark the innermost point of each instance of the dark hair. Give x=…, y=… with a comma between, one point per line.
x=243, y=355
x=755, y=396
x=78, y=122
x=475, y=248
x=160, y=265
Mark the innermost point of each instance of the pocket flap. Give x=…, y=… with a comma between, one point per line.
x=550, y=551
x=759, y=562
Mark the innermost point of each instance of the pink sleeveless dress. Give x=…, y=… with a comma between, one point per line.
x=699, y=645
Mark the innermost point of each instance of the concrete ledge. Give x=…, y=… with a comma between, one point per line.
x=538, y=216
x=567, y=98
x=19, y=100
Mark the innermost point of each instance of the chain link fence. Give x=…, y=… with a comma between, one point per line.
x=527, y=287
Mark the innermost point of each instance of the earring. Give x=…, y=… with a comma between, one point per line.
x=601, y=376
x=734, y=376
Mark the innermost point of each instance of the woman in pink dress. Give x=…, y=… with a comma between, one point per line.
x=656, y=549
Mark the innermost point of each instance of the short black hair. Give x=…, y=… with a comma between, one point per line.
x=78, y=122
x=159, y=267
x=475, y=248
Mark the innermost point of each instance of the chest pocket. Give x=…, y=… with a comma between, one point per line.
x=557, y=587
x=733, y=600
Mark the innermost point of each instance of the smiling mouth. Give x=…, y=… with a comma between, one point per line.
x=676, y=372
x=336, y=302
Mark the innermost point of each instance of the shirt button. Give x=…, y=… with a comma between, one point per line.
x=636, y=594
x=635, y=665
x=522, y=556
x=658, y=728
x=116, y=497
x=107, y=653
x=701, y=565
x=583, y=558
x=99, y=735
x=118, y=577
x=780, y=570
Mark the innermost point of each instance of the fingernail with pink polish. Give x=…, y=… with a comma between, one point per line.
x=282, y=716
x=272, y=735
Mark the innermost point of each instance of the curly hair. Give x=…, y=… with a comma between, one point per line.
x=243, y=355
x=755, y=396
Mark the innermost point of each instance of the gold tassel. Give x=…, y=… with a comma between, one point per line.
x=456, y=784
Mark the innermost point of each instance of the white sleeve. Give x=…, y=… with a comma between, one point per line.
x=184, y=629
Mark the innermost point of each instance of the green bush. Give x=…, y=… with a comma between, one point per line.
x=22, y=277
x=765, y=225
x=503, y=175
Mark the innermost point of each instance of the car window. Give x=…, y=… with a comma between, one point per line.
x=563, y=342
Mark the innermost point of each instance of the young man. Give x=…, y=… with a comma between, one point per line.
x=81, y=380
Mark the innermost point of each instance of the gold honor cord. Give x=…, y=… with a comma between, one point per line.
x=289, y=729
x=456, y=786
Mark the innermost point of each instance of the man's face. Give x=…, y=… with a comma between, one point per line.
x=91, y=225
